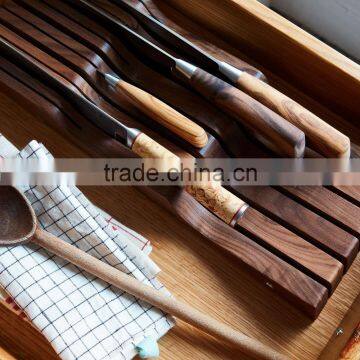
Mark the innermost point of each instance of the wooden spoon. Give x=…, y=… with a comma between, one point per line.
x=18, y=225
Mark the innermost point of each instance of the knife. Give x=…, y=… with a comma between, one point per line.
x=159, y=111
x=271, y=129
x=221, y=202
x=321, y=136
x=140, y=143
x=202, y=58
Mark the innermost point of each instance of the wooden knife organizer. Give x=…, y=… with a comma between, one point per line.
x=288, y=223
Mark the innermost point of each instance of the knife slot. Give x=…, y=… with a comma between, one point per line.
x=72, y=24
x=30, y=99
x=349, y=193
x=32, y=52
x=291, y=248
x=38, y=24
x=4, y=64
x=336, y=210
x=318, y=231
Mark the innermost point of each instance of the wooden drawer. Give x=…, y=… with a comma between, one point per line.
x=324, y=220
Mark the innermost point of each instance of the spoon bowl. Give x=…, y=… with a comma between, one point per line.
x=17, y=217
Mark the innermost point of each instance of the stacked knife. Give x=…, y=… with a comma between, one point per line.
x=88, y=51
x=277, y=121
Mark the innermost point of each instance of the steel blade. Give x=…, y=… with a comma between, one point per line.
x=217, y=67
x=204, y=59
x=100, y=118
x=157, y=54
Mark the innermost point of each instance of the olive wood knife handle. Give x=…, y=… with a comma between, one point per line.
x=163, y=114
x=320, y=136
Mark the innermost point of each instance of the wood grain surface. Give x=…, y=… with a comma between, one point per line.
x=310, y=297
x=81, y=74
x=261, y=34
x=247, y=305
x=269, y=268
x=322, y=266
x=316, y=229
x=274, y=131
x=214, y=283
x=322, y=137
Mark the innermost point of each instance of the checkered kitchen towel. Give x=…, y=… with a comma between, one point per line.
x=81, y=316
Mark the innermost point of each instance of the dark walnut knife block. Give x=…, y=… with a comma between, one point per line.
x=323, y=222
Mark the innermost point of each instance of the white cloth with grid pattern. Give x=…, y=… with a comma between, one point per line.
x=81, y=316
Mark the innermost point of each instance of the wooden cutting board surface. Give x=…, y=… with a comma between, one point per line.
x=213, y=283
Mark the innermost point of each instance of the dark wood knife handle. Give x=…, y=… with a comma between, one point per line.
x=271, y=129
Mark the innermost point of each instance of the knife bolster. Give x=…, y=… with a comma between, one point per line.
x=184, y=69
x=131, y=136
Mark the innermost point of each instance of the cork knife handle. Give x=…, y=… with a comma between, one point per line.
x=164, y=114
x=274, y=131
x=218, y=200
x=210, y=194
x=161, y=158
x=321, y=136
x=146, y=147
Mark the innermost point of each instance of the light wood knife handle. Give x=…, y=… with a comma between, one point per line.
x=270, y=128
x=164, y=114
x=320, y=136
x=218, y=200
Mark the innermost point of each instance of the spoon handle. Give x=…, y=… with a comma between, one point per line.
x=154, y=297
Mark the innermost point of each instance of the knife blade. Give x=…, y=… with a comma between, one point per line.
x=202, y=58
x=218, y=200
x=158, y=110
x=323, y=138
x=134, y=139
x=271, y=129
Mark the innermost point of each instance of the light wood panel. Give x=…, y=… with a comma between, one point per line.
x=344, y=344
x=193, y=269
x=213, y=282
